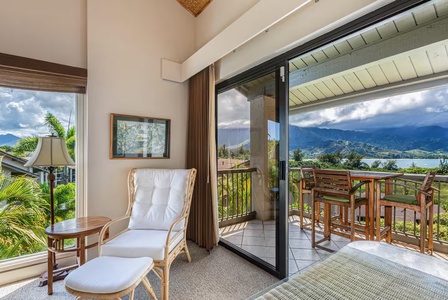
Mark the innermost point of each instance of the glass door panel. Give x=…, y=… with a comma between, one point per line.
x=248, y=137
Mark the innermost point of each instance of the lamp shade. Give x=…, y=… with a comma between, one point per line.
x=50, y=152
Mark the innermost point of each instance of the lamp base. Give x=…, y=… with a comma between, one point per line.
x=57, y=275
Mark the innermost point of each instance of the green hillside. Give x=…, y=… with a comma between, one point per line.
x=367, y=151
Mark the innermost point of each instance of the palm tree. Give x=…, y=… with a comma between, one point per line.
x=64, y=200
x=23, y=215
x=26, y=146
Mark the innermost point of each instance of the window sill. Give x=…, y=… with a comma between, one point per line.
x=16, y=269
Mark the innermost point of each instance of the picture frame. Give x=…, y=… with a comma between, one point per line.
x=139, y=137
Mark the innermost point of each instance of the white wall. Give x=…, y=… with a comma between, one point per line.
x=126, y=41
x=217, y=16
x=49, y=30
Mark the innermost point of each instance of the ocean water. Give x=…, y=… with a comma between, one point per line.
x=406, y=163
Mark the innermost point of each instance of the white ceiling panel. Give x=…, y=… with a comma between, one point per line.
x=299, y=63
x=343, y=47
x=331, y=51
x=309, y=60
x=421, y=63
x=354, y=82
x=343, y=84
x=371, y=36
x=365, y=78
x=425, y=14
x=320, y=56
x=293, y=100
x=292, y=67
x=300, y=96
x=356, y=41
x=307, y=94
x=391, y=72
x=335, y=89
x=377, y=75
x=441, y=8
x=325, y=90
x=405, y=67
x=405, y=23
x=315, y=91
x=438, y=58
x=387, y=30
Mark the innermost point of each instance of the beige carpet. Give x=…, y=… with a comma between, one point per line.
x=219, y=275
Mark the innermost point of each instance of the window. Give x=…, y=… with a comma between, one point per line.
x=37, y=98
x=24, y=116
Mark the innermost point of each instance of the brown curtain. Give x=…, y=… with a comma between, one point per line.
x=201, y=226
x=33, y=74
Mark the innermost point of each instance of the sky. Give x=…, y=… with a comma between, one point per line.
x=424, y=108
x=23, y=112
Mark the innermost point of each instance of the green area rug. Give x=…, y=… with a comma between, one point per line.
x=354, y=274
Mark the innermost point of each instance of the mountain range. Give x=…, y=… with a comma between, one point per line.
x=8, y=139
x=399, y=142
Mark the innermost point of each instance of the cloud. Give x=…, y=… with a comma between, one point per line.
x=233, y=110
x=424, y=108
x=417, y=109
x=23, y=112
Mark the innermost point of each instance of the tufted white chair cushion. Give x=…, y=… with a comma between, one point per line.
x=159, y=198
x=138, y=243
x=105, y=275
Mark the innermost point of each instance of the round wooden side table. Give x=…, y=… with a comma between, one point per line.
x=78, y=229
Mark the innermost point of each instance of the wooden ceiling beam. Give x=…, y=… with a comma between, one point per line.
x=195, y=7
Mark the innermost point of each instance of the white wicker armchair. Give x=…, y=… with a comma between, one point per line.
x=158, y=210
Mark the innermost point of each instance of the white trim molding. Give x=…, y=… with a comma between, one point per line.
x=81, y=156
x=255, y=21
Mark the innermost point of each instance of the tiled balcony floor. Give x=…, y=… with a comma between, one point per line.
x=258, y=238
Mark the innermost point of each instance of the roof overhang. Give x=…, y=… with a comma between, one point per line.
x=406, y=54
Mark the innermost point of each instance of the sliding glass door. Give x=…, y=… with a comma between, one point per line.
x=252, y=170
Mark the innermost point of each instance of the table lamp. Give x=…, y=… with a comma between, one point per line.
x=51, y=152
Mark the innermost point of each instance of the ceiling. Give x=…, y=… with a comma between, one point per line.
x=400, y=55
x=409, y=49
x=195, y=7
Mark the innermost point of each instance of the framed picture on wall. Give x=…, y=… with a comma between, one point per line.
x=139, y=137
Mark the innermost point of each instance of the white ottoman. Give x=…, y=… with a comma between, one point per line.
x=110, y=277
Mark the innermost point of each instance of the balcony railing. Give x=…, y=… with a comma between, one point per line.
x=234, y=195
x=235, y=204
x=405, y=223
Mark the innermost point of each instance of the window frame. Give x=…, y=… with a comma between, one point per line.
x=23, y=267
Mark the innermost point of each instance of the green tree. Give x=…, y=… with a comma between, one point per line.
x=7, y=148
x=55, y=126
x=23, y=215
x=64, y=200
x=376, y=164
x=297, y=154
x=234, y=194
x=443, y=165
x=354, y=161
x=223, y=152
x=390, y=165
x=26, y=146
x=333, y=159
